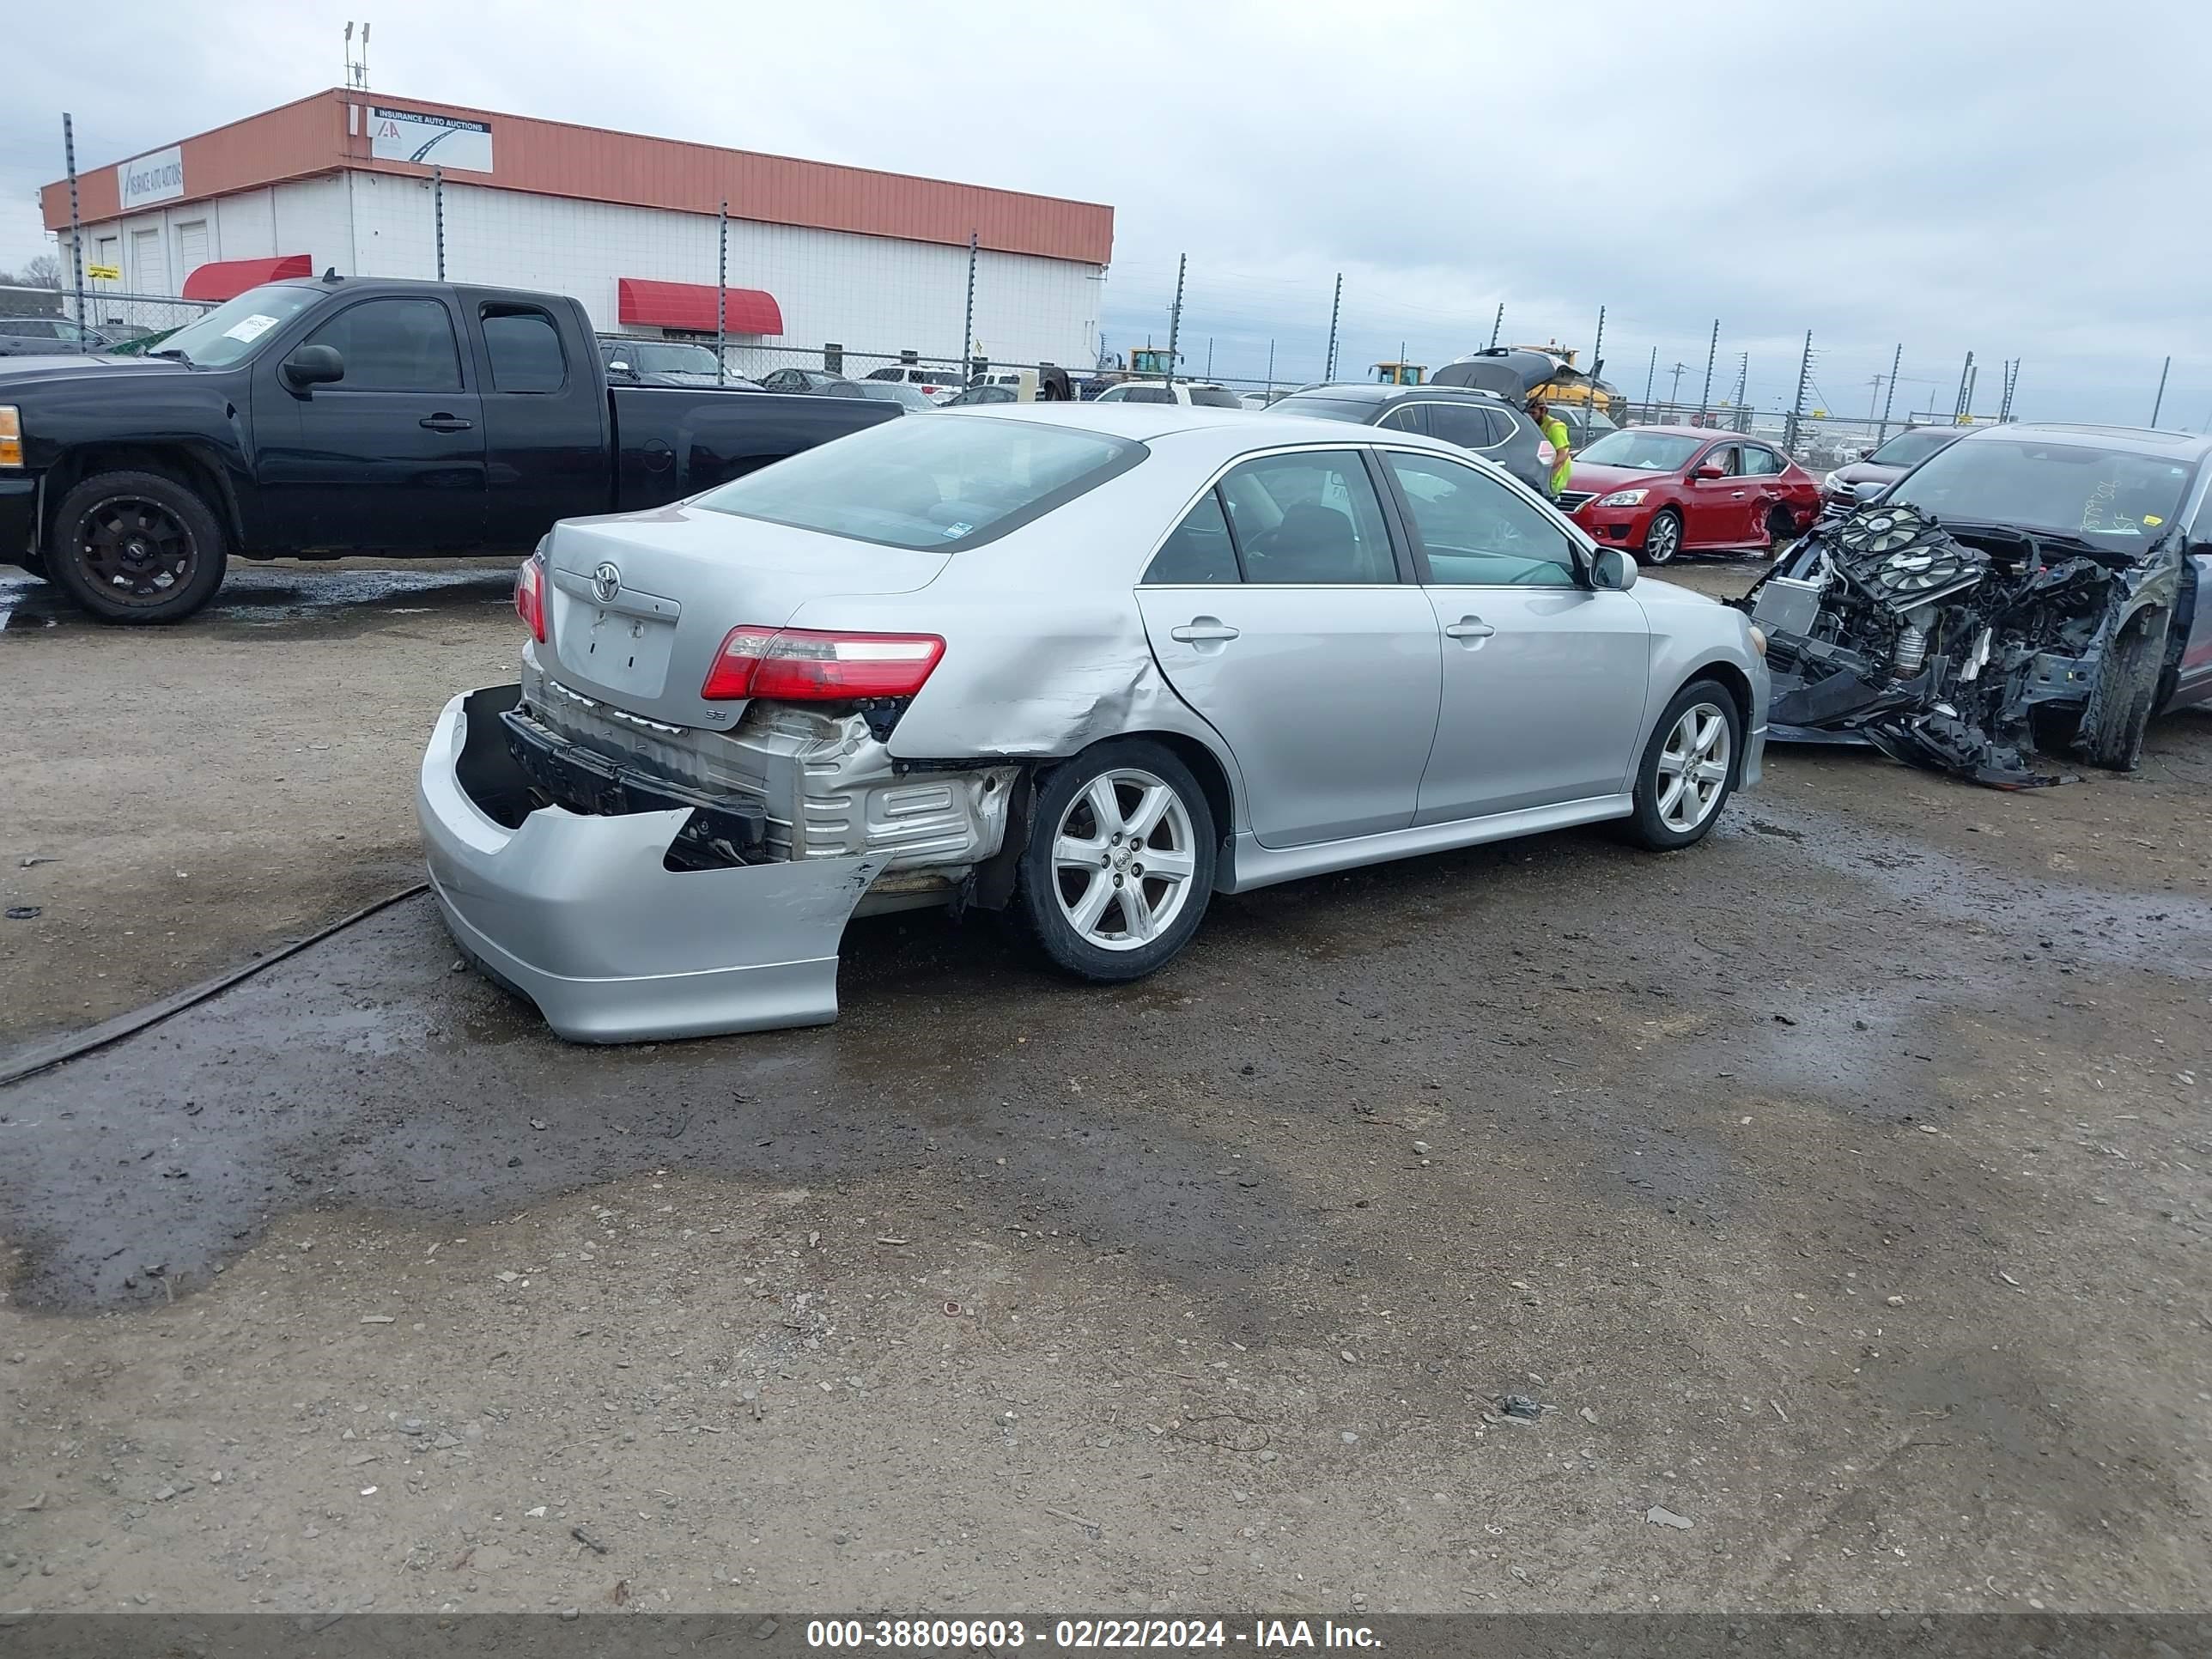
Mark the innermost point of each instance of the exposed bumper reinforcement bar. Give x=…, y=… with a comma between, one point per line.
x=581, y=915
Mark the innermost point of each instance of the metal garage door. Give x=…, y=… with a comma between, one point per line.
x=191, y=250
x=149, y=271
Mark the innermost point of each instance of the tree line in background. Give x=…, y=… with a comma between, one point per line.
x=45, y=272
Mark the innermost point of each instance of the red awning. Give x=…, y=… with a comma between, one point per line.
x=226, y=279
x=691, y=305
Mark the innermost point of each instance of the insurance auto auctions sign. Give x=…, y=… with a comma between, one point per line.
x=151, y=178
x=435, y=141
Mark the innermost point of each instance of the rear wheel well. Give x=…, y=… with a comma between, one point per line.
x=187, y=468
x=1206, y=768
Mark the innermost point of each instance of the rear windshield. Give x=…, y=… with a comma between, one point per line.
x=652, y=358
x=1214, y=396
x=947, y=483
x=1326, y=409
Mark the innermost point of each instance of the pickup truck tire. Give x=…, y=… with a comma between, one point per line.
x=137, y=547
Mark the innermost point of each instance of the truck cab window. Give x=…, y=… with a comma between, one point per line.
x=524, y=348
x=394, y=345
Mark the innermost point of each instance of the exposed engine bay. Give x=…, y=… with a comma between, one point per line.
x=1962, y=648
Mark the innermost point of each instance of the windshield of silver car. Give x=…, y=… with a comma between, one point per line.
x=946, y=481
x=2078, y=490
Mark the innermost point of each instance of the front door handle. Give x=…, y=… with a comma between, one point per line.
x=1201, y=630
x=442, y=422
x=1469, y=627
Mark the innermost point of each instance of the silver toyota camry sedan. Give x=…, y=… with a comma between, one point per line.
x=1089, y=665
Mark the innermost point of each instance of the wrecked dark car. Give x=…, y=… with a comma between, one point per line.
x=2026, y=591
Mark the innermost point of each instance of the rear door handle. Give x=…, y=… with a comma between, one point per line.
x=1469, y=627
x=1202, y=629
x=445, y=423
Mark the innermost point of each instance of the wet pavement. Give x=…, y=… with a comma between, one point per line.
x=1839, y=1181
x=368, y=1072
x=340, y=593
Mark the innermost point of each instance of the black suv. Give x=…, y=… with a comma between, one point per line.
x=1479, y=421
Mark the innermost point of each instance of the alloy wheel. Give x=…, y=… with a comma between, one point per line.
x=1693, y=768
x=1663, y=540
x=1122, y=857
x=135, y=550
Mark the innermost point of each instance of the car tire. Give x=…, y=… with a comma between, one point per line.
x=1664, y=540
x=1082, y=920
x=1781, y=530
x=2127, y=684
x=137, y=547
x=1701, y=726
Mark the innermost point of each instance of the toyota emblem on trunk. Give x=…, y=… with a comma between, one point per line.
x=606, y=582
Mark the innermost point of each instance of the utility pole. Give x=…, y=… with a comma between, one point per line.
x=968, y=322
x=1496, y=323
x=1965, y=383
x=721, y=291
x=1335, y=308
x=2159, y=402
x=1674, y=398
x=1271, y=371
x=1712, y=347
x=76, y=236
x=1597, y=359
x=1804, y=380
x=1896, y=361
x=438, y=213
x=1175, y=318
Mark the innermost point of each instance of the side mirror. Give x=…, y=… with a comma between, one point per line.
x=1711, y=469
x=1612, y=569
x=1867, y=491
x=314, y=365
x=1865, y=454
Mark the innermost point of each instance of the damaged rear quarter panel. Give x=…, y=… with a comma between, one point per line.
x=1045, y=650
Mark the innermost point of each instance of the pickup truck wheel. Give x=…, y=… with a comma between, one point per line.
x=1120, y=862
x=136, y=548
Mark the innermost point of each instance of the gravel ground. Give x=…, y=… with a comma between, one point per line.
x=1837, y=1187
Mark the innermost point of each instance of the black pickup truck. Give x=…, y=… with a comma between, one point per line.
x=318, y=419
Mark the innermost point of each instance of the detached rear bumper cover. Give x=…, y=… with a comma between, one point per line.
x=580, y=914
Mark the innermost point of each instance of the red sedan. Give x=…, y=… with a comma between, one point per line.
x=1661, y=491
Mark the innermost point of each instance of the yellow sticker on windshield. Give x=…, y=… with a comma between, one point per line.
x=2152, y=518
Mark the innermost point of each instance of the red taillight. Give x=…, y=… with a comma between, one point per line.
x=804, y=664
x=530, y=598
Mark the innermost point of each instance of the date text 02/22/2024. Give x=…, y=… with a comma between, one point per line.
x=1077, y=1634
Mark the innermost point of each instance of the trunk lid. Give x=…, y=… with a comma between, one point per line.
x=638, y=605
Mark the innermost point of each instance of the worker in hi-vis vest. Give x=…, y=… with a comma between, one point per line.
x=1552, y=451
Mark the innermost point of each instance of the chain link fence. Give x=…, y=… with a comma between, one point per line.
x=117, y=317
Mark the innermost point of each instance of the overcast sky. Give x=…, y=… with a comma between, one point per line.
x=2019, y=180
